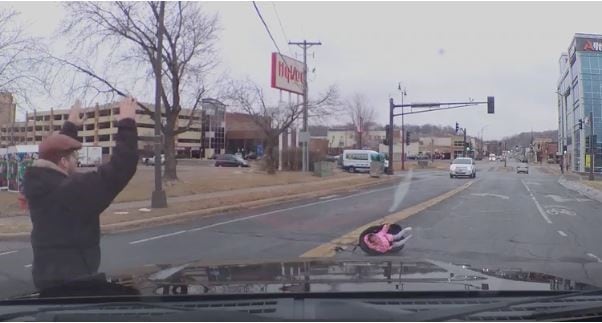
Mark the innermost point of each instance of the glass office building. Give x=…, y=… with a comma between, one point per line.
x=579, y=94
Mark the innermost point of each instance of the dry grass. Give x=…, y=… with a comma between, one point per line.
x=269, y=194
x=209, y=205
x=9, y=205
x=194, y=180
x=594, y=184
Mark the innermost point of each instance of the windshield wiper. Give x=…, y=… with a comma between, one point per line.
x=459, y=313
x=177, y=313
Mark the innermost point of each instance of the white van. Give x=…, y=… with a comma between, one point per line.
x=358, y=160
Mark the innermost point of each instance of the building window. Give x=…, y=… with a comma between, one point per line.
x=104, y=125
x=115, y=111
x=197, y=141
x=58, y=117
x=89, y=127
x=38, y=128
x=105, y=150
x=38, y=138
x=104, y=138
x=57, y=128
x=90, y=115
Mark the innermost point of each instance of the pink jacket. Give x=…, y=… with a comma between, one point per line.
x=383, y=240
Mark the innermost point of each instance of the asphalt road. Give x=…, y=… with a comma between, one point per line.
x=503, y=220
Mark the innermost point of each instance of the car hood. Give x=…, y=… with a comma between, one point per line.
x=374, y=274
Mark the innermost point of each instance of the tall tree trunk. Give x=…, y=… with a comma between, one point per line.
x=269, y=154
x=170, y=172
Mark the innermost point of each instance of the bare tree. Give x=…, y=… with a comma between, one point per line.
x=127, y=31
x=276, y=119
x=20, y=60
x=361, y=115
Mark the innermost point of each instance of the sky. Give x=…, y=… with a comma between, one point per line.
x=439, y=51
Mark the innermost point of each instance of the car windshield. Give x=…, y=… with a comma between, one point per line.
x=303, y=147
x=462, y=161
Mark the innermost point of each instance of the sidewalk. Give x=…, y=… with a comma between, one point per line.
x=131, y=215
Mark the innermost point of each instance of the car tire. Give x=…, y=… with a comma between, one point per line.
x=451, y=176
x=352, y=169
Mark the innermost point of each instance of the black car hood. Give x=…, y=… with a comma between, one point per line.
x=384, y=274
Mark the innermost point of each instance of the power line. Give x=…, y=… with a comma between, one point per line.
x=280, y=23
x=266, y=27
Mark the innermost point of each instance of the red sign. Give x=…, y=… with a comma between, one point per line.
x=287, y=74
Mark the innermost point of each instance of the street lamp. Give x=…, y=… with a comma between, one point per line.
x=482, y=128
x=403, y=154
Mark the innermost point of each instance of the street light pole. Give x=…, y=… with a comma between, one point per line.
x=403, y=151
x=482, y=128
x=591, y=146
x=159, y=198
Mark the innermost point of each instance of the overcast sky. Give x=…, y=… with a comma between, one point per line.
x=438, y=51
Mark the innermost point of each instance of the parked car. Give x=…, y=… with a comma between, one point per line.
x=522, y=168
x=251, y=156
x=229, y=160
x=463, y=166
x=150, y=161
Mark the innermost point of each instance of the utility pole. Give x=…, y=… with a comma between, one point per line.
x=464, y=152
x=390, y=135
x=159, y=199
x=591, y=146
x=305, y=45
x=403, y=150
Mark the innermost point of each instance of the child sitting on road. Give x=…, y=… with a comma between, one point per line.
x=383, y=241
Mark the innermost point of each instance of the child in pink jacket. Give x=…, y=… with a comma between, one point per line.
x=383, y=241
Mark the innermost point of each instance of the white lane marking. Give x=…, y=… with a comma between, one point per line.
x=28, y=266
x=560, y=232
x=7, y=252
x=267, y=213
x=158, y=237
x=539, y=208
x=560, y=199
x=594, y=256
x=328, y=197
x=503, y=197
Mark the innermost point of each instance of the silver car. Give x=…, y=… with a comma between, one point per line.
x=522, y=168
x=463, y=166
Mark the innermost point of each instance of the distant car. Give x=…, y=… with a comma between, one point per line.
x=463, y=166
x=522, y=168
x=331, y=158
x=150, y=161
x=251, y=156
x=228, y=160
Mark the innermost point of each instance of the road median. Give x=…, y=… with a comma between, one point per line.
x=137, y=218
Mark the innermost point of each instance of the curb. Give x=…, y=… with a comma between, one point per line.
x=590, y=192
x=177, y=217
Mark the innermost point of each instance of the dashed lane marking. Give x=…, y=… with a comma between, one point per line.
x=560, y=232
x=594, y=256
x=8, y=252
x=328, y=197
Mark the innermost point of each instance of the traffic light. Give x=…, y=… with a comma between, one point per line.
x=580, y=123
x=387, y=135
x=407, y=138
x=490, y=105
x=457, y=127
